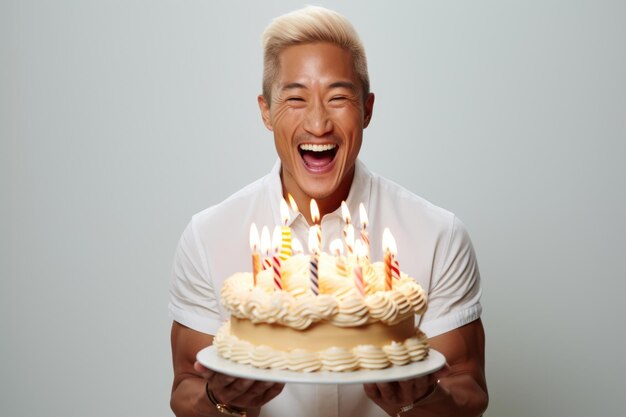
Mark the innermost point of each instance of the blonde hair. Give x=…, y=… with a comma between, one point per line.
x=308, y=25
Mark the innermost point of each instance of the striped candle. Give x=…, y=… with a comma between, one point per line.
x=388, y=282
x=266, y=247
x=314, y=278
x=364, y=234
x=254, y=246
x=349, y=239
x=359, y=283
x=358, y=280
x=393, y=249
x=285, y=245
x=276, y=263
x=314, y=249
x=388, y=258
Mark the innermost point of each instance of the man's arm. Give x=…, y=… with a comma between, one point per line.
x=189, y=398
x=462, y=390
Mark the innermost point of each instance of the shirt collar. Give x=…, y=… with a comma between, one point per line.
x=359, y=193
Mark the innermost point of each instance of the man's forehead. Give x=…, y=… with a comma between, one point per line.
x=285, y=86
x=301, y=66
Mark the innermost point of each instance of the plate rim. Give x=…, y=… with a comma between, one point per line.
x=209, y=358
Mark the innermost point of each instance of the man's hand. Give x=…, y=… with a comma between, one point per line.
x=462, y=389
x=189, y=396
x=389, y=395
x=238, y=392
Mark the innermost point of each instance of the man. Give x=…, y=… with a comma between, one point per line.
x=316, y=101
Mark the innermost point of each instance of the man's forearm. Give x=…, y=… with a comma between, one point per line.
x=189, y=399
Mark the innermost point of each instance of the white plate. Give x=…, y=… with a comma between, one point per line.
x=210, y=359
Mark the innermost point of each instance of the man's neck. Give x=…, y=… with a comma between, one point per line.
x=325, y=205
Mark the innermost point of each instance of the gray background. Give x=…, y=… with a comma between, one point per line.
x=120, y=119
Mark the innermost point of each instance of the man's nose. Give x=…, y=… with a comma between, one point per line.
x=317, y=121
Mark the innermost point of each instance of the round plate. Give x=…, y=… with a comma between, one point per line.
x=209, y=358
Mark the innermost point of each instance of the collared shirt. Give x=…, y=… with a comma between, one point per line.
x=433, y=247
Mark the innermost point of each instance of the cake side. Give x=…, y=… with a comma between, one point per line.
x=334, y=358
x=338, y=330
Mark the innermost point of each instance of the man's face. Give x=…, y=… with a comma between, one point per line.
x=317, y=115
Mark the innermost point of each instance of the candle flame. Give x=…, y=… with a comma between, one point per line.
x=345, y=212
x=254, y=237
x=315, y=212
x=363, y=215
x=292, y=203
x=336, y=247
x=313, y=240
x=266, y=242
x=277, y=239
x=284, y=211
x=389, y=243
x=296, y=246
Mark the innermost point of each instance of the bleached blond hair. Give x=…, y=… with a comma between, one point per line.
x=308, y=25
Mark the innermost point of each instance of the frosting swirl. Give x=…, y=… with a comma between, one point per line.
x=268, y=358
x=301, y=360
x=338, y=301
x=333, y=359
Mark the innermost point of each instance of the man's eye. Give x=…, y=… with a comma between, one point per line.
x=295, y=99
x=339, y=98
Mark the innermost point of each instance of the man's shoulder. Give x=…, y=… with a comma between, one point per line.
x=235, y=207
x=401, y=199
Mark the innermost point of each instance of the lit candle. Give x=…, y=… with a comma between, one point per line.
x=395, y=265
x=314, y=249
x=392, y=269
x=254, y=246
x=358, y=271
x=285, y=246
x=296, y=246
x=336, y=247
x=292, y=203
x=315, y=217
x=349, y=237
x=276, y=265
x=345, y=213
x=364, y=234
x=266, y=246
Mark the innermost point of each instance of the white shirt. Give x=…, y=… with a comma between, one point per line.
x=433, y=247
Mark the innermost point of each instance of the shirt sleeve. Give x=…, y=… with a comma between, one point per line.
x=193, y=299
x=454, y=296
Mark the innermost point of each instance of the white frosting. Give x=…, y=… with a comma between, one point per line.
x=333, y=359
x=338, y=301
x=301, y=360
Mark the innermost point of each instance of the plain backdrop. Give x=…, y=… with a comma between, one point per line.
x=121, y=119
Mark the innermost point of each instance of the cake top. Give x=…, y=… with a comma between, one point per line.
x=297, y=290
x=338, y=301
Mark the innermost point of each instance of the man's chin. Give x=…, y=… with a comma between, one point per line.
x=321, y=191
x=324, y=187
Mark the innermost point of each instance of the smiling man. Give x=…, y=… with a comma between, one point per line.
x=317, y=108
x=316, y=101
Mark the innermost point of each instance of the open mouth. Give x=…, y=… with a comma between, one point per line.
x=317, y=156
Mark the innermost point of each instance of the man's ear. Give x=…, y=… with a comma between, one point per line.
x=265, y=112
x=369, y=109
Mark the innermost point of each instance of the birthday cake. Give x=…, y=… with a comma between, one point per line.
x=353, y=316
